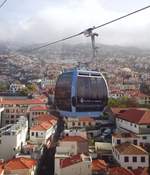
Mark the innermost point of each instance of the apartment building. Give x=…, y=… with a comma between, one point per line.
x=12, y=137
x=131, y=156
x=14, y=108
x=43, y=127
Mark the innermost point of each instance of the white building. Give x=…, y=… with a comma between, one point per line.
x=12, y=137
x=44, y=126
x=131, y=156
x=80, y=122
x=73, y=165
x=72, y=145
x=1, y=110
x=136, y=121
x=13, y=88
x=119, y=138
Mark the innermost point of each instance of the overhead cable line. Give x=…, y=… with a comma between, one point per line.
x=3, y=3
x=89, y=30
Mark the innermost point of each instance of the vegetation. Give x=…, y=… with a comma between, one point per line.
x=29, y=89
x=122, y=102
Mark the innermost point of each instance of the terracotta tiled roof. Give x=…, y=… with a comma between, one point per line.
x=125, y=135
x=98, y=165
x=120, y=171
x=70, y=161
x=86, y=119
x=141, y=171
x=39, y=108
x=73, y=139
x=136, y=116
x=130, y=149
x=44, y=122
x=21, y=101
x=42, y=126
x=20, y=163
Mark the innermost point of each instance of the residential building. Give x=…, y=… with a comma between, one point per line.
x=136, y=121
x=12, y=137
x=72, y=145
x=36, y=111
x=14, y=108
x=119, y=138
x=13, y=88
x=80, y=122
x=76, y=164
x=131, y=156
x=20, y=166
x=44, y=126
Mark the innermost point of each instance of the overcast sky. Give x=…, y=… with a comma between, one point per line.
x=48, y=20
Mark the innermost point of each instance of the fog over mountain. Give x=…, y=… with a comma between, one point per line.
x=39, y=21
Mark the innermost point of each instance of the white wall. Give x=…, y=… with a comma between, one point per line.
x=120, y=159
x=127, y=126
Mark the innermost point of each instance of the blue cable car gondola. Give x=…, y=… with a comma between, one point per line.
x=81, y=93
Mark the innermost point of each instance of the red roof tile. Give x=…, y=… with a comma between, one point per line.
x=70, y=161
x=86, y=119
x=21, y=101
x=20, y=163
x=141, y=171
x=125, y=135
x=98, y=165
x=120, y=171
x=136, y=116
x=130, y=149
x=73, y=139
x=42, y=126
x=39, y=108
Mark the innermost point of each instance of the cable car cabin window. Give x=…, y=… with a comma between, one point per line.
x=91, y=94
x=63, y=92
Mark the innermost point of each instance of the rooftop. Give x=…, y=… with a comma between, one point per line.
x=39, y=108
x=136, y=116
x=124, y=135
x=70, y=161
x=120, y=171
x=73, y=139
x=21, y=101
x=130, y=149
x=19, y=163
x=98, y=165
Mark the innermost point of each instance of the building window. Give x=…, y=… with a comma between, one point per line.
x=144, y=137
x=83, y=123
x=12, y=121
x=118, y=141
x=79, y=123
x=7, y=121
x=148, y=126
x=134, y=159
x=129, y=167
x=126, y=159
x=0, y=141
x=135, y=126
x=142, y=159
x=73, y=123
x=90, y=124
x=36, y=134
x=32, y=133
x=130, y=124
x=12, y=116
x=135, y=142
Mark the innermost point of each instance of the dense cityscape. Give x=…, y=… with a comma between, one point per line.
x=117, y=142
